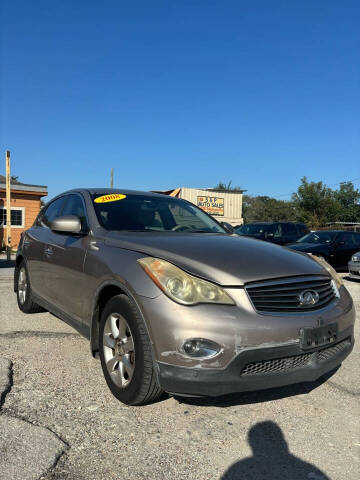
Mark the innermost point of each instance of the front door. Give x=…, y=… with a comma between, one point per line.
x=65, y=256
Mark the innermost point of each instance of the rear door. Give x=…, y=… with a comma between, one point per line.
x=346, y=246
x=65, y=260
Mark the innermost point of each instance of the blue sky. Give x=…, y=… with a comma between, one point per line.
x=180, y=93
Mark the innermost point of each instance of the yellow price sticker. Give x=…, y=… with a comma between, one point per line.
x=111, y=197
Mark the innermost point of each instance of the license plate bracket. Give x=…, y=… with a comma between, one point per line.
x=318, y=336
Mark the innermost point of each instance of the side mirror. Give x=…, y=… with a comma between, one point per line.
x=66, y=224
x=227, y=227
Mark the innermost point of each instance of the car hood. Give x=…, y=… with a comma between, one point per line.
x=228, y=260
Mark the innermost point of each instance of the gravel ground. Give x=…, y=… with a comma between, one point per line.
x=308, y=431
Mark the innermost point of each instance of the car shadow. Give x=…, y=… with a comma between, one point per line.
x=259, y=396
x=271, y=458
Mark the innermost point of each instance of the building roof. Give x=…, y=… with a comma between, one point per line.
x=15, y=185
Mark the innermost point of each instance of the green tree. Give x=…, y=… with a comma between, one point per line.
x=227, y=187
x=267, y=209
x=349, y=201
x=315, y=203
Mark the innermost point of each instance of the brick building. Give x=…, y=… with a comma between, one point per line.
x=25, y=205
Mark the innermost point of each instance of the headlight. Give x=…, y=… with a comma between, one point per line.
x=355, y=258
x=337, y=279
x=182, y=287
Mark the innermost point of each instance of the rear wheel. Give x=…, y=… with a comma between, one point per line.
x=23, y=292
x=125, y=353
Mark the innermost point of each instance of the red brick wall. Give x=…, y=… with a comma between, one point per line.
x=32, y=205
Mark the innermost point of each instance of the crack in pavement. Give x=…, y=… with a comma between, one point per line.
x=6, y=386
x=28, y=450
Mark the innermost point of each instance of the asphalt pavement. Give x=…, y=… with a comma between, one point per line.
x=58, y=420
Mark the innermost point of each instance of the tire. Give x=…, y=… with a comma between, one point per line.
x=23, y=291
x=125, y=353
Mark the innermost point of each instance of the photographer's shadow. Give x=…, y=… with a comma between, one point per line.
x=271, y=459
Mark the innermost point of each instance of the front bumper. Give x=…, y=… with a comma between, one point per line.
x=354, y=270
x=257, y=369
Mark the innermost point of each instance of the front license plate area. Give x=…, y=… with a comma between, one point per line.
x=316, y=337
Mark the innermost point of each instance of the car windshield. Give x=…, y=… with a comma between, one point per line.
x=142, y=213
x=255, y=229
x=318, y=237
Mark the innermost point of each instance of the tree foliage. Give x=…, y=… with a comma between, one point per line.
x=266, y=209
x=313, y=203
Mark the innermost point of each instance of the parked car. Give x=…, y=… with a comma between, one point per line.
x=171, y=302
x=335, y=246
x=354, y=266
x=276, y=232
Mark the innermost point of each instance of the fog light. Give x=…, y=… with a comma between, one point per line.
x=199, y=347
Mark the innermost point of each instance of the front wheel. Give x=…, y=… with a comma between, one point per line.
x=125, y=353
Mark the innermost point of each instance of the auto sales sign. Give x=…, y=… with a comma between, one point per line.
x=211, y=205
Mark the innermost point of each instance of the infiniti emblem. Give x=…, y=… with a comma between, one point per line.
x=308, y=297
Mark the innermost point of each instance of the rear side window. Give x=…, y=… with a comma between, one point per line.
x=74, y=206
x=52, y=211
x=289, y=229
x=351, y=238
x=357, y=239
x=302, y=229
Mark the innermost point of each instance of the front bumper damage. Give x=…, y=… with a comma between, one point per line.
x=258, y=369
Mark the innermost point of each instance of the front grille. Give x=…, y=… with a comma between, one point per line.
x=329, y=352
x=276, y=365
x=353, y=272
x=284, y=295
x=294, y=362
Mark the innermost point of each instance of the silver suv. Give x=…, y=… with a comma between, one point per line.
x=171, y=302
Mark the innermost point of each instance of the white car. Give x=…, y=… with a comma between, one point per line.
x=354, y=266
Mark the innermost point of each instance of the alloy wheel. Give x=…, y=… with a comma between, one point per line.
x=22, y=285
x=119, y=350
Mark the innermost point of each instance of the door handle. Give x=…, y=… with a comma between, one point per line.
x=48, y=251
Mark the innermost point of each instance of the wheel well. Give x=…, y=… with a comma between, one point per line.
x=104, y=296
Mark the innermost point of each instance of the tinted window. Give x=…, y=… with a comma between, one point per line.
x=288, y=229
x=350, y=238
x=74, y=206
x=255, y=229
x=302, y=229
x=52, y=211
x=151, y=213
x=323, y=237
x=357, y=239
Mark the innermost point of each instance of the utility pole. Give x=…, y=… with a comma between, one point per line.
x=8, y=208
x=112, y=178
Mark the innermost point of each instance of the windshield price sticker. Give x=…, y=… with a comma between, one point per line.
x=112, y=197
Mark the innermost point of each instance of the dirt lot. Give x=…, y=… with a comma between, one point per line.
x=308, y=431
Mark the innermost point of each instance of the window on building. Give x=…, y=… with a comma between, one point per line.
x=17, y=217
